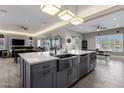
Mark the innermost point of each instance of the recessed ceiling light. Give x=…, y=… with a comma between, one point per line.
x=114, y=18
x=3, y=12
x=117, y=25
x=50, y=9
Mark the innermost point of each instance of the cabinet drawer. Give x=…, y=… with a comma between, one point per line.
x=43, y=66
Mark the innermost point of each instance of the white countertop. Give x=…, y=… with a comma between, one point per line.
x=41, y=57
x=80, y=52
x=37, y=57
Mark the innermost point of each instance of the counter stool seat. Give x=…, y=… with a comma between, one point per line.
x=5, y=54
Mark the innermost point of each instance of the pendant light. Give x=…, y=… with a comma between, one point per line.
x=77, y=20
x=50, y=9
x=66, y=15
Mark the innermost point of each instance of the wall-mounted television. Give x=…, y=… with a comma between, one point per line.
x=18, y=42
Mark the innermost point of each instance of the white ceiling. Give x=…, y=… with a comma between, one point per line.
x=35, y=20
x=29, y=16
x=104, y=21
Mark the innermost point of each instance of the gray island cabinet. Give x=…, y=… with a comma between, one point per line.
x=38, y=74
x=40, y=70
x=44, y=75
x=68, y=76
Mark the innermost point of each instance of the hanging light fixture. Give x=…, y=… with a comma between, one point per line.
x=77, y=20
x=66, y=15
x=50, y=9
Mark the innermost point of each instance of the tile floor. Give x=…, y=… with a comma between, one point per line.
x=9, y=73
x=106, y=75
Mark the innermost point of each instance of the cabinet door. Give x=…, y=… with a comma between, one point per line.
x=62, y=79
x=44, y=79
x=72, y=75
x=83, y=66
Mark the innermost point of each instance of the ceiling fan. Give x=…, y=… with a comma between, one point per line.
x=21, y=27
x=99, y=28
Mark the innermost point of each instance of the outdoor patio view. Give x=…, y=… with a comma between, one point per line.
x=110, y=42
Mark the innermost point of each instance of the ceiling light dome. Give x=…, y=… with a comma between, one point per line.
x=66, y=15
x=50, y=9
x=77, y=21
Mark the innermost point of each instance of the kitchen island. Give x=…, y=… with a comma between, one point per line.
x=41, y=70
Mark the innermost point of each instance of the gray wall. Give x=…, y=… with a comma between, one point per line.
x=9, y=37
x=64, y=33
x=91, y=38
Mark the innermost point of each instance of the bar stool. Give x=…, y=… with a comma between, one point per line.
x=5, y=54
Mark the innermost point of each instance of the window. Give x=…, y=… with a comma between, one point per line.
x=110, y=42
x=56, y=42
x=45, y=43
x=76, y=43
x=2, y=44
x=50, y=43
x=38, y=43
